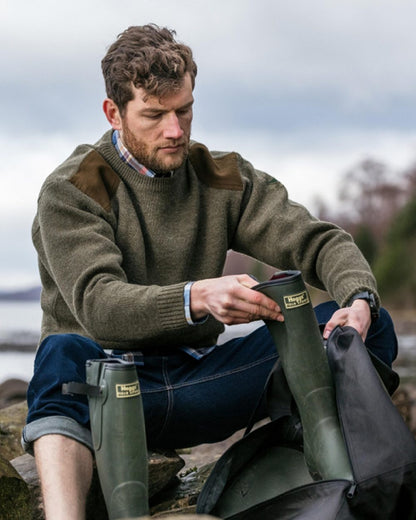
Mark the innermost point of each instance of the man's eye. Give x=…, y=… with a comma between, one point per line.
x=155, y=115
x=184, y=112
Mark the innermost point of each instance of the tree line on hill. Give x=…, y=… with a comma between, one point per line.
x=377, y=205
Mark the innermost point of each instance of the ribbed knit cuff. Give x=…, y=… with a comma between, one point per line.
x=171, y=306
x=346, y=296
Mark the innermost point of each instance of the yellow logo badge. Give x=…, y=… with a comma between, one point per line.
x=296, y=300
x=128, y=390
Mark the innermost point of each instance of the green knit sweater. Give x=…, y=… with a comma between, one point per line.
x=116, y=248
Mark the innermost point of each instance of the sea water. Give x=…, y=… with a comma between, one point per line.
x=19, y=323
x=18, y=318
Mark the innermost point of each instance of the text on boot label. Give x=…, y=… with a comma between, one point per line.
x=296, y=300
x=127, y=390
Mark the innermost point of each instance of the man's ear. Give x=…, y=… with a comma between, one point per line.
x=112, y=113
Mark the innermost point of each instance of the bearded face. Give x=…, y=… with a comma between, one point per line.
x=156, y=131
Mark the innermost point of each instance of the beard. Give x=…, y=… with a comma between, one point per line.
x=152, y=157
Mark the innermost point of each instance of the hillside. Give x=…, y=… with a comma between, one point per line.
x=30, y=294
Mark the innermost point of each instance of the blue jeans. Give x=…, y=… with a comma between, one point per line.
x=186, y=401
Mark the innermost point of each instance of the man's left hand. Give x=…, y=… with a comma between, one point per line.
x=357, y=316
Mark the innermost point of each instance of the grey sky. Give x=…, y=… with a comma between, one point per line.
x=302, y=89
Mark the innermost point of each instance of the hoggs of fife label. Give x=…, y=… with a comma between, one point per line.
x=296, y=300
x=127, y=390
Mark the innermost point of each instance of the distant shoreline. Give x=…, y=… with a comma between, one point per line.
x=8, y=346
x=31, y=294
x=27, y=341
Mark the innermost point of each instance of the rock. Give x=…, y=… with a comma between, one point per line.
x=15, y=497
x=176, y=508
x=186, y=516
x=12, y=421
x=182, y=495
x=163, y=466
x=170, y=496
x=12, y=391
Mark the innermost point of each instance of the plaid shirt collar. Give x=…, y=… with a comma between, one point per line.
x=129, y=159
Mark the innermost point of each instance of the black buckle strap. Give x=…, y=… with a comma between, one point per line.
x=73, y=387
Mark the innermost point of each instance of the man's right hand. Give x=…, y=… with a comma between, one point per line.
x=231, y=300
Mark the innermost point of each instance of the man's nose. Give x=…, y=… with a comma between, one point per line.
x=172, y=129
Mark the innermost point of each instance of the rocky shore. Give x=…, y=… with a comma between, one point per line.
x=172, y=489
x=175, y=478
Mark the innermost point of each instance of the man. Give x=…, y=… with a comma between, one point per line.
x=132, y=235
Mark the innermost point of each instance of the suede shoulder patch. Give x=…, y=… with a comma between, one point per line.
x=216, y=172
x=96, y=179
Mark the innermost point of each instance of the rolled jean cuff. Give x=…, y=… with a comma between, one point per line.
x=55, y=424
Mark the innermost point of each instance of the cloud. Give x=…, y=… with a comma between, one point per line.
x=342, y=58
x=302, y=89
x=312, y=166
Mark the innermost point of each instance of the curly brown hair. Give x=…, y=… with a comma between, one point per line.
x=147, y=57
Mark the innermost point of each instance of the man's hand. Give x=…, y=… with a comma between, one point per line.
x=357, y=316
x=231, y=300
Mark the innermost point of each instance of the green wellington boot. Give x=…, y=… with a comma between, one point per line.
x=119, y=438
x=302, y=353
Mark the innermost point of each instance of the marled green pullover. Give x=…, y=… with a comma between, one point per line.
x=116, y=248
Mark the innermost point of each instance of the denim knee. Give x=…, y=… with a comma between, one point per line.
x=60, y=358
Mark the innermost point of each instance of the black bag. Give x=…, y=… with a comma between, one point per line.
x=264, y=475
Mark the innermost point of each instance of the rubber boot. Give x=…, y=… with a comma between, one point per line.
x=304, y=361
x=119, y=438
